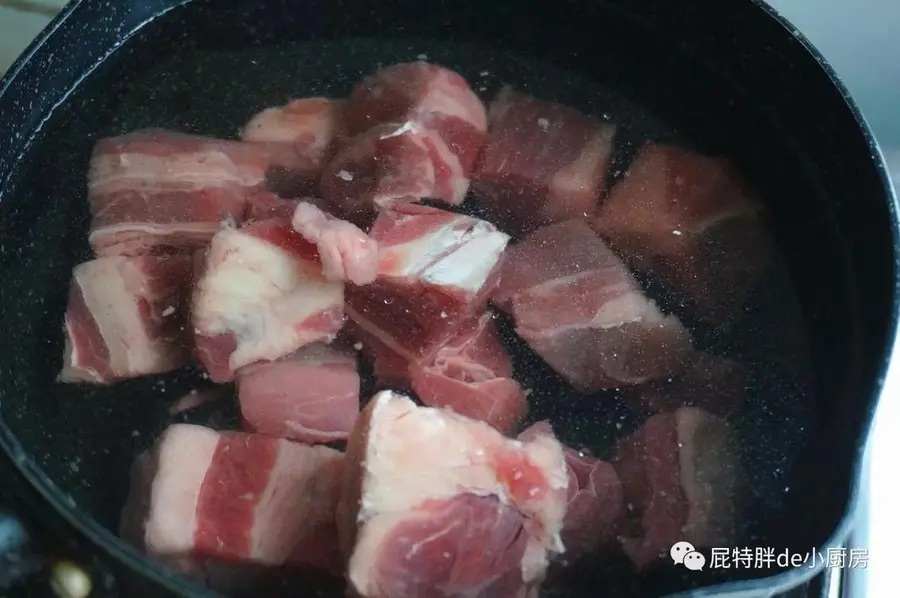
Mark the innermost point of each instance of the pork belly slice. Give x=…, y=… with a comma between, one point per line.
x=681, y=476
x=262, y=296
x=431, y=95
x=390, y=163
x=542, y=162
x=713, y=383
x=126, y=317
x=266, y=205
x=199, y=498
x=434, y=503
x=690, y=219
x=577, y=305
x=435, y=270
x=155, y=189
x=300, y=137
x=347, y=253
x=596, y=506
x=310, y=396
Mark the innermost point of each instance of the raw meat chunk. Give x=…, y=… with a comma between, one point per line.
x=434, y=503
x=472, y=375
x=691, y=220
x=199, y=497
x=265, y=205
x=155, y=189
x=541, y=163
x=577, y=305
x=347, y=253
x=681, y=474
x=310, y=396
x=596, y=508
x=715, y=384
x=126, y=318
x=424, y=93
x=262, y=297
x=300, y=137
x=435, y=270
x=393, y=162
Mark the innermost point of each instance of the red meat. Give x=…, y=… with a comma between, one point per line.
x=300, y=136
x=577, y=305
x=435, y=271
x=126, y=318
x=262, y=296
x=596, y=508
x=310, y=396
x=437, y=504
x=681, y=475
x=691, y=220
x=542, y=162
x=155, y=190
x=200, y=497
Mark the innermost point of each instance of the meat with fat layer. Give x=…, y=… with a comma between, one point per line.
x=596, y=509
x=390, y=163
x=681, y=476
x=300, y=137
x=433, y=96
x=158, y=190
x=346, y=252
x=435, y=271
x=577, y=305
x=201, y=497
x=689, y=219
x=266, y=205
x=126, y=317
x=541, y=163
x=262, y=296
x=436, y=504
x=310, y=396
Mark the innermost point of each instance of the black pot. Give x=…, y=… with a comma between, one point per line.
x=732, y=76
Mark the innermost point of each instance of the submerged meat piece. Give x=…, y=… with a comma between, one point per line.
x=435, y=270
x=310, y=396
x=596, y=508
x=347, y=253
x=472, y=375
x=155, y=189
x=690, y=219
x=262, y=296
x=542, y=162
x=427, y=94
x=393, y=162
x=681, y=475
x=265, y=205
x=715, y=384
x=126, y=317
x=300, y=137
x=577, y=305
x=436, y=504
x=199, y=497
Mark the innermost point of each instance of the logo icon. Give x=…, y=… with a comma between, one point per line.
x=684, y=553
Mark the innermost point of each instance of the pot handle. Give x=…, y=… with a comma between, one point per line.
x=27, y=565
